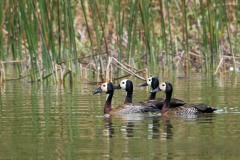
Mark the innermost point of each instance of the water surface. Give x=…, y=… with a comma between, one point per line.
x=43, y=121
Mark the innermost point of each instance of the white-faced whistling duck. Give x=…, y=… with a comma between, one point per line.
x=153, y=82
x=180, y=110
x=127, y=108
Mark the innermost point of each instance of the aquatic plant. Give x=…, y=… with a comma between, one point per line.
x=66, y=40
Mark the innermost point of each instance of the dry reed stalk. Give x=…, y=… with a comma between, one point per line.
x=219, y=65
x=17, y=61
x=194, y=54
x=234, y=60
x=2, y=70
x=108, y=69
x=123, y=67
x=85, y=73
x=127, y=75
x=61, y=74
x=0, y=77
x=98, y=75
x=146, y=74
x=180, y=59
x=56, y=72
x=81, y=69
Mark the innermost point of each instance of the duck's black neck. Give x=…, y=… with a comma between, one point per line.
x=128, y=97
x=107, y=107
x=166, y=105
x=152, y=96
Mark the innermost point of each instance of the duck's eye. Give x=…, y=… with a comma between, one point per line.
x=163, y=85
x=123, y=82
x=149, y=79
x=104, y=85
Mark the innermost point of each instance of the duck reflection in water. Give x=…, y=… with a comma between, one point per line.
x=126, y=128
x=109, y=129
x=162, y=128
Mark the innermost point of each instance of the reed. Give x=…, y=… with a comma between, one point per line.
x=60, y=40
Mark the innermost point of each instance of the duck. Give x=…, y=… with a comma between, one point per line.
x=153, y=82
x=127, y=85
x=126, y=108
x=180, y=110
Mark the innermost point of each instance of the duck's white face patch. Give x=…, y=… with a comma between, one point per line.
x=149, y=82
x=123, y=84
x=163, y=86
x=104, y=87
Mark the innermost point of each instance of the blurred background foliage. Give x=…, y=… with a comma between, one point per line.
x=57, y=40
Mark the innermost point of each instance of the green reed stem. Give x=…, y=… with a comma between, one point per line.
x=86, y=21
x=72, y=42
x=186, y=32
x=45, y=29
x=120, y=19
x=204, y=34
x=164, y=37
x=30, y=29
x=237, y=14
x=98, y=37
x=211, y=33
x=2, y=57
x=144, y=10
x=169, y=28
x=130, y=21
x=223, y=5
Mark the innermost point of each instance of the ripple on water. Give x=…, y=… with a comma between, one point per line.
x=61, y=123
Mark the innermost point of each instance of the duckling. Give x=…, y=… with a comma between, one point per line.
x=184, y=109
x=108, y=88
x=154, y=83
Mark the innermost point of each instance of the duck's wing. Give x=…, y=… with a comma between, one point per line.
x=193, y=109
x=148, y=107
x=136, y=108
x=176, y=102
x=203, y=108
x=173, y=103
x=157, y=102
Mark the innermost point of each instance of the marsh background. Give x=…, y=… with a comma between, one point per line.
x=73, y=39
x=55, y=52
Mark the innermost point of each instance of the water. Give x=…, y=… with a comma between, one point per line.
x=53, y=122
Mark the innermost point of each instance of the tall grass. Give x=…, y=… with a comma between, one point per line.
x=52, y=40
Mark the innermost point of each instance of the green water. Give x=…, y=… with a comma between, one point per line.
x=61, y=122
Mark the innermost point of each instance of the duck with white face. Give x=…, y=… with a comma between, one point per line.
x=183, y=109
x=126, y=108
x=153, y=82
x=127, y=85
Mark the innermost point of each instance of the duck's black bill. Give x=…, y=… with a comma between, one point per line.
x=117, y=87
x=155, y=90
x=144, y=84
x=99, y=90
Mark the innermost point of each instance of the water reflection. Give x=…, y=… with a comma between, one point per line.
x=155, y=128
x=158, y=127
x=168, y=128
x=109, y=129
x=63, y=122
x=128, y=126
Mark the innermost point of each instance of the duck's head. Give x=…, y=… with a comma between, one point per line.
x=106, y=87
x=165, y=87
x=125, y=84
x=152, y=82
